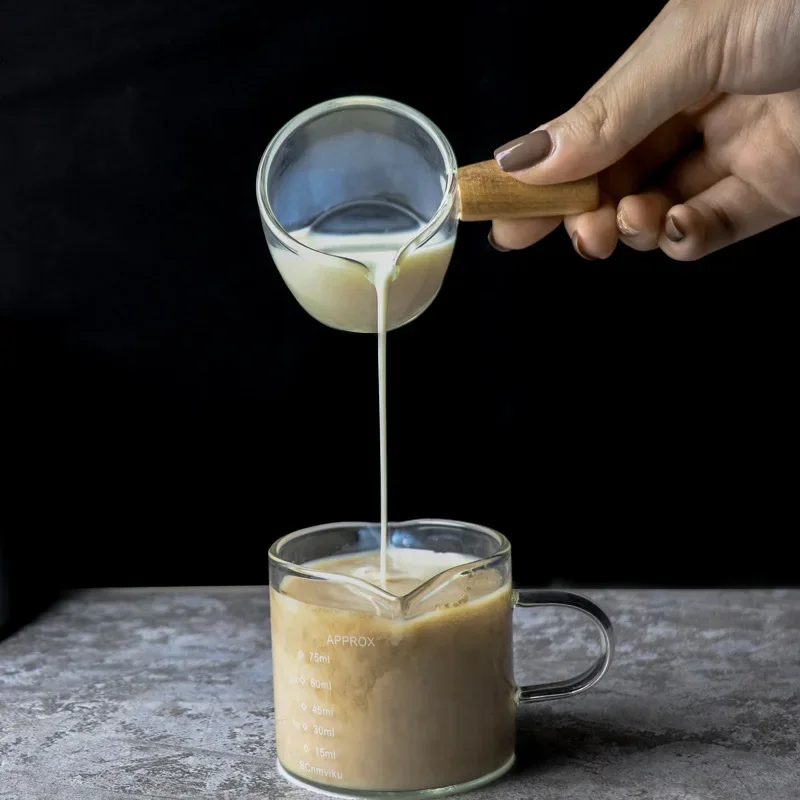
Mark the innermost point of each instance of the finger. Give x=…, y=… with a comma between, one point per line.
x=640, y=218
x=660, y=81
x=516, y=234
x=594, y=233
x=727, y=212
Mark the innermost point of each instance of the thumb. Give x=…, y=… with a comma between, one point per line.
x=656, y=79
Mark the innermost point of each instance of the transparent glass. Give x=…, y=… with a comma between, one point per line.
x=350, y=186
x=408, y=695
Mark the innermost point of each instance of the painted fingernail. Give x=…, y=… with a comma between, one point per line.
x=493, y=243
x=576, y=243
x=624, y=226
x=527, y=151
x=673, y=232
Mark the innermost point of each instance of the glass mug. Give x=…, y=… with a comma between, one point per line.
x=350, y=183
x=413, y=696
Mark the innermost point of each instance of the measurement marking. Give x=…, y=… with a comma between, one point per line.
x=318, y=684
x=322, y=711
x=320, y=731
x=297, y=679
x=303, y=706
x=300, y=655
x=300, y=726
x=323, y=753
x=351, y=641
x=318, y=658
x=325, y=772
x=306, y=748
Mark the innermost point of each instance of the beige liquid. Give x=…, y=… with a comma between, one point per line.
x=343, y=295
x=368, y=698
x=384, y=296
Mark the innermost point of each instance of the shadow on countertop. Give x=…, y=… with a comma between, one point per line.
x=707, y=755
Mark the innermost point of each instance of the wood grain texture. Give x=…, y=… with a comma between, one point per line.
x=486, y=193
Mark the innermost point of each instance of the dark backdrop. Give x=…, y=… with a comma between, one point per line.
x=169, y=410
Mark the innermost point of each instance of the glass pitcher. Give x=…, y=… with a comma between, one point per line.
x=350, y=186
x=409, y=695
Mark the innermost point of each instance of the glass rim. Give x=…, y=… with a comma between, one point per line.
x=502, y=551
x=340, y=103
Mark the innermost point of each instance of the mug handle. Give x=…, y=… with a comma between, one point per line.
x=535, y=693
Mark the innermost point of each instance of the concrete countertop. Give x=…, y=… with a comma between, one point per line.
x=166, y=693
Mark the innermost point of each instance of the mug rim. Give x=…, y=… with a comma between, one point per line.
x=503, y=551
x=337, y=104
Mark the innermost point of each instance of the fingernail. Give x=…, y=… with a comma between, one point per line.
x=496, y=246
x=673, y=232
x=624, y=226
x=576, y=243
x=527, y=151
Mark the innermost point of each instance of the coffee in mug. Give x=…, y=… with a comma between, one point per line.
x=403, y=685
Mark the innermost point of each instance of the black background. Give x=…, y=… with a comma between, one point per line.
x=170, y=410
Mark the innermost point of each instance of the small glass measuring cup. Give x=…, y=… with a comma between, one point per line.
x=403, y=696
x=350, y=186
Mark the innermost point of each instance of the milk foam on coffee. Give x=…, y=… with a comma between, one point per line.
x=394, y=694
x=406, y=570
x=408, y=567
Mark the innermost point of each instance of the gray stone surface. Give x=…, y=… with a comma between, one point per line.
x=133, y=694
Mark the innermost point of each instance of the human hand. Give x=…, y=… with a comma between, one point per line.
x=695, y=134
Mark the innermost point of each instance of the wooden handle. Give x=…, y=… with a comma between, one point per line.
x=486, y=192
